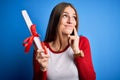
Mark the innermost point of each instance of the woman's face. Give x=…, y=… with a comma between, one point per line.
x=67, y=21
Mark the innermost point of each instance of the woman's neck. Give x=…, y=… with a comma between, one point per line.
x=59, y=44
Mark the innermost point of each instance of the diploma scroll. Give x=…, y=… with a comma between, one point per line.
x=29, y=23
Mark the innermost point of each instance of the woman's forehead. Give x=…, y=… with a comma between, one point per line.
x=69, y=10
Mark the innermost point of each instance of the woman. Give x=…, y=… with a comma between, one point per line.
x=66, y=55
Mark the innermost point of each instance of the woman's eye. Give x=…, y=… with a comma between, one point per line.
x=74, y=17
x=65, y=16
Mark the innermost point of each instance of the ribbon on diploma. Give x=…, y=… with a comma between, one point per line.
x=28, y=41
x=34, y=35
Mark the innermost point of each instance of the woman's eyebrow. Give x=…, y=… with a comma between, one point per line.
x=65, y=13
x=68, y=13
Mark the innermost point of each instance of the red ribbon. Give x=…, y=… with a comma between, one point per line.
x=28, y=41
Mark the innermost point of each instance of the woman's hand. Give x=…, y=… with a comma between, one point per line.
x=42, y=58
x=74, y=43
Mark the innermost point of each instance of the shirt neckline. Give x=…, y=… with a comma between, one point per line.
x=57, y=52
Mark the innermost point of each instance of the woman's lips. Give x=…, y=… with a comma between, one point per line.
x=69, y=26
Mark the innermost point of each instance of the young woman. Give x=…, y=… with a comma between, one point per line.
x=66, y=56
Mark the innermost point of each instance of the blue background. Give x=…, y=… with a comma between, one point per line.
x=99, y=22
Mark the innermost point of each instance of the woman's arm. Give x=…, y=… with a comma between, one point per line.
x=37, y=73
x=84, y=64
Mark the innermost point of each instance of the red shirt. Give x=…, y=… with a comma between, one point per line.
x=83, y=64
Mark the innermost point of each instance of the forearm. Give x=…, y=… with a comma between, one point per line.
x=37, y=73
x=86, y=71
x=40, y=75
x=84, y=64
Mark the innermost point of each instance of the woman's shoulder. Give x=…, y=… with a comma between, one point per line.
x=83, y=41
x=83, y=38
x=46, y=44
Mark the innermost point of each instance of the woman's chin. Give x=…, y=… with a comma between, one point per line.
x=68, y=33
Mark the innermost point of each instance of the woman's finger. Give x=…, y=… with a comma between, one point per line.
x=75, y=31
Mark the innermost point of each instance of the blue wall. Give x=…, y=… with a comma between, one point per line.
x=99, y=21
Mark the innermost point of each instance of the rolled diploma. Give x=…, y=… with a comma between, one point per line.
x=29, y=23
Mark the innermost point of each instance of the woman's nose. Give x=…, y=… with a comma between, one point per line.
x=70, y=20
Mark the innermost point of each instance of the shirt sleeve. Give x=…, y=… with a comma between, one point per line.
x=37, y=73
x=84, y=64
